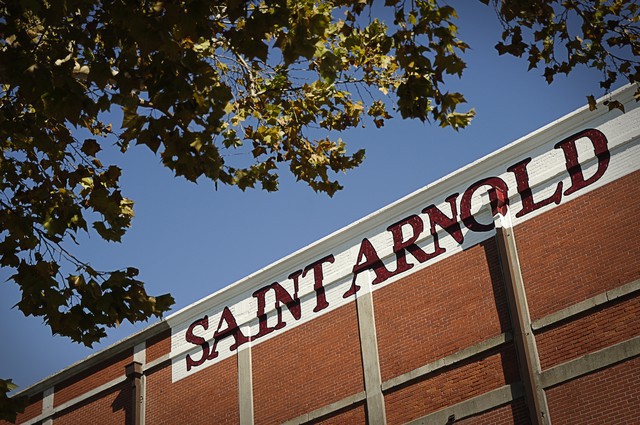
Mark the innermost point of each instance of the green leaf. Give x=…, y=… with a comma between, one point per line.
x=230, y=95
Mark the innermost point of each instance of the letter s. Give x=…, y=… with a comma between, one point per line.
x=197, y=340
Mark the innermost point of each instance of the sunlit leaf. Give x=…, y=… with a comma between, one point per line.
x=234, y=95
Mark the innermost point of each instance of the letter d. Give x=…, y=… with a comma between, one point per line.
x=568, y=146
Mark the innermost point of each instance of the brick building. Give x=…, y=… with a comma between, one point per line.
x=505, y=293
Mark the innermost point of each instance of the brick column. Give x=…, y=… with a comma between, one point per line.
x=133, y=371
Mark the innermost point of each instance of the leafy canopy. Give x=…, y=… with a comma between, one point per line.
x=562, y=35
x=199, y=82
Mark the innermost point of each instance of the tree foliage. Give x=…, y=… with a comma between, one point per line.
x=561, y=35
x=228, y=91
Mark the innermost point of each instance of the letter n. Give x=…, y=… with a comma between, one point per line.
x=449, y=224
x=281, y=297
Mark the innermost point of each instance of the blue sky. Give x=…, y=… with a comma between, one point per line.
x=192, y=240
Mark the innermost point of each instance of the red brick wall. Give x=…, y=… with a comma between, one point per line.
x=31, y=411
x=92, y=378
x=452, y=385
x=207, y=397
x=449, y=306
x=354, y=415
x=590, y=332
x=307, y=367
x=582, y=248
x=111, y=407
x=514, y=413
x=609, y=396
x=158, y=345
x=568, y=254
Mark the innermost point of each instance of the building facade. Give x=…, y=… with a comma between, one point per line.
x=505, y=293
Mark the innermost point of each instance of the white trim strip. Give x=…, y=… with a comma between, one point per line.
x=402, y=379
x=591, y=362
x=554, y=376
x=581, y=307
x=473, y=406
x=57, y=409
x=454, y=358
x=326, y=410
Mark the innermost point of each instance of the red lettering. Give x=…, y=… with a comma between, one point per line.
x=197, y=340
x=232, y=329
x=449, y=224
x=568, y=146
x=400, y=245
x=367, y=259
x=282, y=297
x=318, y=277
x=263, y=327
x=497, y=197
x=522, y=180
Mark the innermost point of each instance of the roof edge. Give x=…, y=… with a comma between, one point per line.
x=533, y=139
